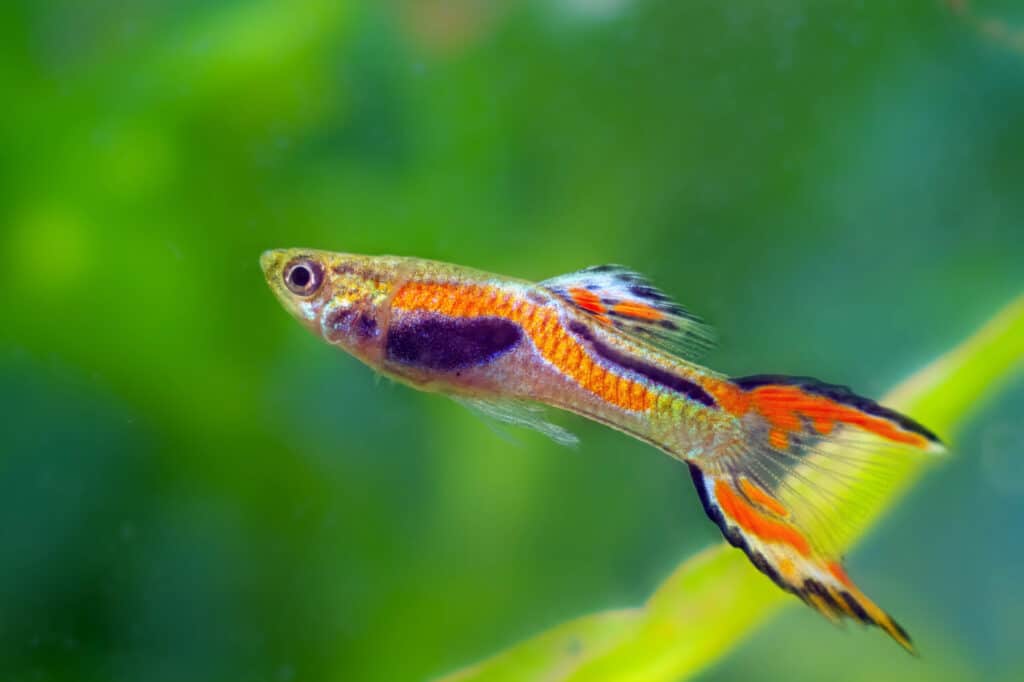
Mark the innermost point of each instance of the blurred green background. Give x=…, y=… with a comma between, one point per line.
x=193, y=488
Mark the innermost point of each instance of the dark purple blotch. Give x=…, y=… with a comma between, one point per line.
x=339, y=319
x=352, y=320
x=446, y=344
x=366, y=326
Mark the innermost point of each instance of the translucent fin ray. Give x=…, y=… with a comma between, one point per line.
x=627, y=301
x=790, y=492
x=762, y=527
x=518, y=413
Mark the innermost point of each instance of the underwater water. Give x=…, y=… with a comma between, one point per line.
x=192, y=487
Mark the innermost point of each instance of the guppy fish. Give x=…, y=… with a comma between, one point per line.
x=768, y=454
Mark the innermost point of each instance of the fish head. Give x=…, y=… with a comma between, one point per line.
x=344, y=298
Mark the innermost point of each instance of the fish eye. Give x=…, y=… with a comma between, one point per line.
x=303, y=276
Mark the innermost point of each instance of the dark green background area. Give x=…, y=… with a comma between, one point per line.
x=193, y=488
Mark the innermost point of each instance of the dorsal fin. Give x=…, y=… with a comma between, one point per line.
x=627, y=301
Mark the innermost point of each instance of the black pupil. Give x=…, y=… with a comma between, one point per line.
x=300, y=276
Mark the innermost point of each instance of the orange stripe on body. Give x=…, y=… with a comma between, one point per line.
x=543, y=327
x=755, y=523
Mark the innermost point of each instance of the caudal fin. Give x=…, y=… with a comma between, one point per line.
x=786, y=492
x=804, y=407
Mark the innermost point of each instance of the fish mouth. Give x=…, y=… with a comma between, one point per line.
x=270, y=261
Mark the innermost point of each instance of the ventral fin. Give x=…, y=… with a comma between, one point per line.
x=626, y=300
x=518, y=413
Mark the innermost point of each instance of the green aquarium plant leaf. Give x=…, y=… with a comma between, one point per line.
x=557, y=652
x=715, y=599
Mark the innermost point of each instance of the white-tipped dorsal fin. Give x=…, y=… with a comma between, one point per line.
x=626, y=300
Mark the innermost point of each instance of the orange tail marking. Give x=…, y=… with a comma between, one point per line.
x=733, y=399
x=824, y=426
x=754, y=522
x=858, y=605
x=839, y=574
x=759, y=497
x=783, y=406
x=778, y=439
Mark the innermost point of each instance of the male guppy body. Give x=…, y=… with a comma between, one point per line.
x=605, y=344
